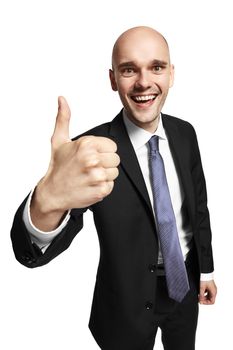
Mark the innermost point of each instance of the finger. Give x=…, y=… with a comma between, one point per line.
x=202, y=296
x=212, y=298
x=98, y=176
x=109, y=160
x=102, y=190
x=104, y=145
x=111, y=174
x=61, y=130
x=206, y=299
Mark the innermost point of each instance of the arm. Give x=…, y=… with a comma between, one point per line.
x=208, y=289
x=28, y=253
x=41, y=238
x=80, y=173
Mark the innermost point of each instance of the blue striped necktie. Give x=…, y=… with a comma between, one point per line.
x=175, y=270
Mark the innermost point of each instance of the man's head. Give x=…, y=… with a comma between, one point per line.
x=142, y=74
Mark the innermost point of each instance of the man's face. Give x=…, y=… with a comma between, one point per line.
x=142, y=75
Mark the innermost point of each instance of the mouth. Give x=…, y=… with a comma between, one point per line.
x=144, y=99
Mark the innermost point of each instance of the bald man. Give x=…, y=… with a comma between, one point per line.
x=108, y=170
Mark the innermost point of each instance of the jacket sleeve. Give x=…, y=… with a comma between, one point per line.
x=203, y=229
x=28, y=253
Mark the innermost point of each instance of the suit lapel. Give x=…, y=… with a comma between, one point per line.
x=129, y=161
x=181, y=159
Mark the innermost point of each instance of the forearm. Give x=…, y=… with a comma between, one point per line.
x=202, y=225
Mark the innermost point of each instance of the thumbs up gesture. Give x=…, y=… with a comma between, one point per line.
x=80, y=173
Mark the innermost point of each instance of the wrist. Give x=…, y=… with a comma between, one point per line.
x=45, y=200
x=205, y=277
x=44, y=214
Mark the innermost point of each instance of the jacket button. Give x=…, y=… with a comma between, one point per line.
x=148, y=305
x=152, y=268
x=28, y=258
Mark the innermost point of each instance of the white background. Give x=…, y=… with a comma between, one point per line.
x=63, y=47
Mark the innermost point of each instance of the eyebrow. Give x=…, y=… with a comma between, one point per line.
x=159, y=63
x=133, y=64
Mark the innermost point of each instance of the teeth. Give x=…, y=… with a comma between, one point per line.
x=144, y=98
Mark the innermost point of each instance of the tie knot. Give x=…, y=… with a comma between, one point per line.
x=154, y=143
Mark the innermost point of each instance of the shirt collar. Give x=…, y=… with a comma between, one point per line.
x=138, y=136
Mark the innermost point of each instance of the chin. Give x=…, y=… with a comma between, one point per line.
x=145, y=117
x=146, y=123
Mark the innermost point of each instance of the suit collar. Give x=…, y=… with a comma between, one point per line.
x=129, y=161
x=138, y=136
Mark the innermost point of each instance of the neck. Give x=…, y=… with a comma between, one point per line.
x=150, y=126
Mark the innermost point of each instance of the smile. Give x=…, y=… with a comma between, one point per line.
x=144, y=98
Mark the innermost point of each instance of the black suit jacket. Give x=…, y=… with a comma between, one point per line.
x=127, y=235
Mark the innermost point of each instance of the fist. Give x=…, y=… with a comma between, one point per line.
x=81, y=172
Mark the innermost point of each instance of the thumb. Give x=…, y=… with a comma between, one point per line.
x=202, y=294
x=61, y=130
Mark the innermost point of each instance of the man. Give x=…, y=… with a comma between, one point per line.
x=141, y=175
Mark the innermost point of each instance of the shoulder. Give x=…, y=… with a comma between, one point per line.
x=99, y=130
x=181, y=125
x=104, y=129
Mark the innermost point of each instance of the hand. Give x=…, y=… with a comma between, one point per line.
x=208, y=292
x=80, y=172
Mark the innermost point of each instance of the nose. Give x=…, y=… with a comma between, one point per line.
x=143, y=81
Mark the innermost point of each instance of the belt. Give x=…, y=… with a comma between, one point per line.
x=160, y=270
x=188, y=263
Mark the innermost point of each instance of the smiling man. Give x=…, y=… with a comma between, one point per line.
x=142, y=74
x=141, y=176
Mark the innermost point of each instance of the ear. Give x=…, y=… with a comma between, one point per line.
x=172, y=73
x=112, y=80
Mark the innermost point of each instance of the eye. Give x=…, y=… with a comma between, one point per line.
x=128, y=72
x=157, y=69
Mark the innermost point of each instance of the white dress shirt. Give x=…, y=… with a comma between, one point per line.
x=139, y=139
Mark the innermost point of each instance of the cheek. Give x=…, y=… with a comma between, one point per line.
x=164, y=85
x=125, y=86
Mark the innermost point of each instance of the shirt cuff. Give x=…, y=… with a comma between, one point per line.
x=41, y=238
x=205, y=277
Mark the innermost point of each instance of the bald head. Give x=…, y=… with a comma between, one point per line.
x=136, y=38
x=142, y=74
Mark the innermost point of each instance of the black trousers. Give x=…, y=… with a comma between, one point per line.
x=177, y=321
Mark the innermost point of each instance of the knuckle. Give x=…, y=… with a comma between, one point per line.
x=104, y=189
x=52, y=139
x=90, y=161
x=55, y=143
x=113, y=173
x=116, y=173
x=118, y=160
x=86, y=141
x=113, y=145
x=110, y=186
x=114, y=159
x=97, y=175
